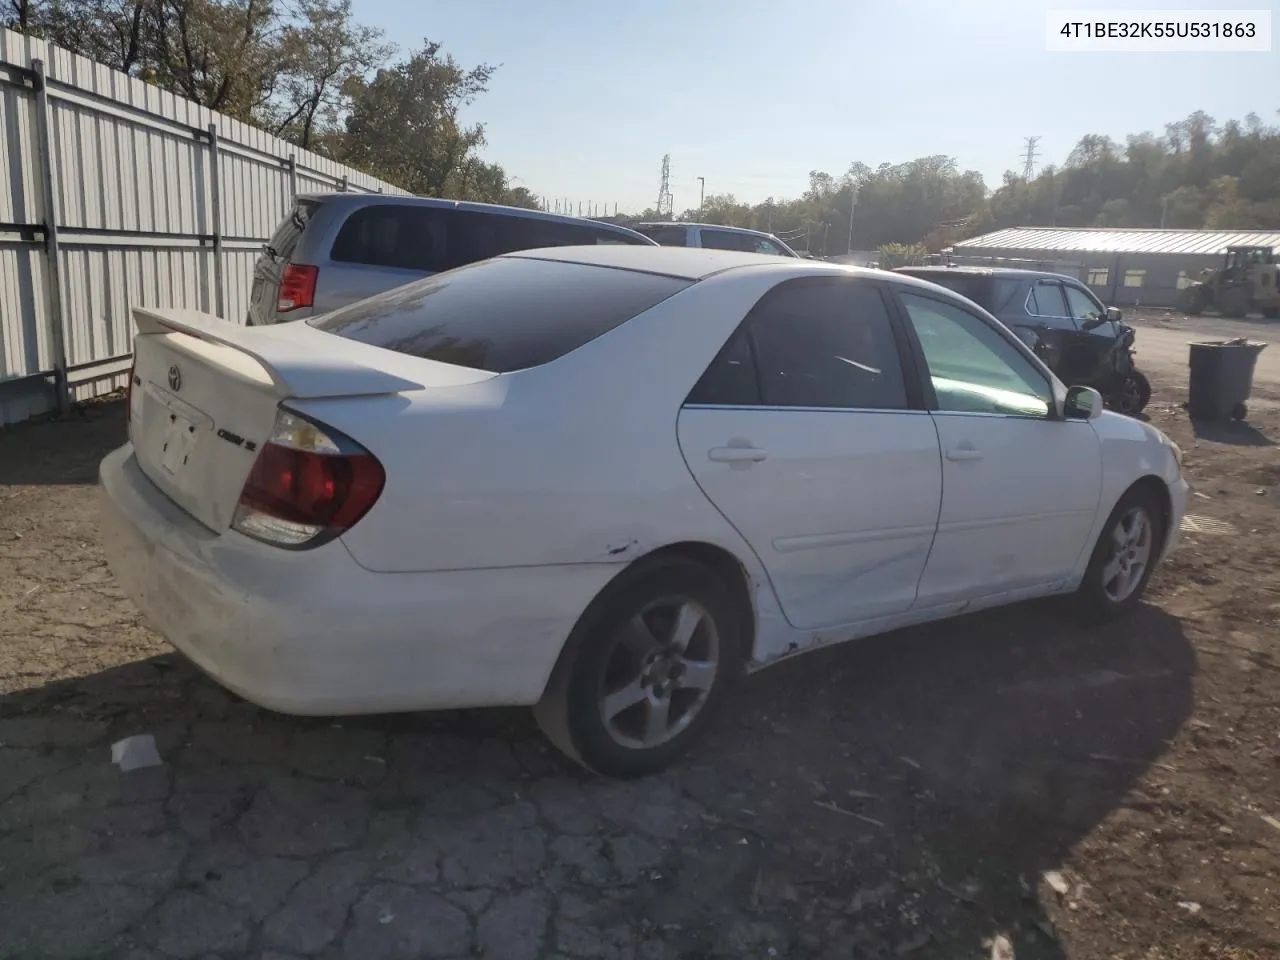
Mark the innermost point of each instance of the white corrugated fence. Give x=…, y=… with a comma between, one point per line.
x=120, y=195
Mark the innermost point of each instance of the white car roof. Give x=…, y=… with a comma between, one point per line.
x=687, y=263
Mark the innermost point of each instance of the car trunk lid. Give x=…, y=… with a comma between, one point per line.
x=206, y=392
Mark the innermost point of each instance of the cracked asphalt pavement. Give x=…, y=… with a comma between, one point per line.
x=901, y=797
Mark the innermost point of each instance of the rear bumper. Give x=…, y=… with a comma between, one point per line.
x=314, y=633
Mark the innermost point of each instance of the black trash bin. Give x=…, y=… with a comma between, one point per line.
x=1221, y=378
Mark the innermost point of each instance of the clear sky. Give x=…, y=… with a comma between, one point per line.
x=753, y=94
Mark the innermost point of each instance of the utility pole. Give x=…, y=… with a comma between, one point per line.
x=1164, y=210
x=702, y=194
x=853, y=205
x=1029, y=157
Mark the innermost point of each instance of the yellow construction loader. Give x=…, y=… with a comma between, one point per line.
x=1245, y=283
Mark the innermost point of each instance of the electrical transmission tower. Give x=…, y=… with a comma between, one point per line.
x=665, y=203
x=1029, y=157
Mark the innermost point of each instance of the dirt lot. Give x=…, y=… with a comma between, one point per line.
x=1112, y=793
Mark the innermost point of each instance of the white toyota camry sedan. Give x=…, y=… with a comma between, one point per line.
x=605, y=481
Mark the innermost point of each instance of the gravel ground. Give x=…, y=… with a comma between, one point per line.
x=1007, y=780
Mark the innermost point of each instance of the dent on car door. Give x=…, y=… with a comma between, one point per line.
x=1020, y=487
x=803, y=434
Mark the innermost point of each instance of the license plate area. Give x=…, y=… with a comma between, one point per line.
x=176, y=432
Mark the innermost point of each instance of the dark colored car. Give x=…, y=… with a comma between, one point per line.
x=1079, y=339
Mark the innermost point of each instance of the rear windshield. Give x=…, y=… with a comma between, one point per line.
x=501, y=315
x=432, y=239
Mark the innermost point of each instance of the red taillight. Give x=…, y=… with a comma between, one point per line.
x=308, y=485
x=297, y=287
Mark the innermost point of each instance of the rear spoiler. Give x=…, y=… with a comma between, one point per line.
x=285, y=353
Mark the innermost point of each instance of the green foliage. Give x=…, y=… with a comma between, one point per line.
x=891, y=255
x=1195, y=175
x=304, y=69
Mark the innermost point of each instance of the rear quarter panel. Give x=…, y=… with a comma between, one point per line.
x=572, y=462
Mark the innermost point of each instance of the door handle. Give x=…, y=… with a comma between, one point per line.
x=737, y=454
x=964, y=452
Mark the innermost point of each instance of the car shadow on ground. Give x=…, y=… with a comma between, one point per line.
x=899, y=797
x=1234, y=432
x=62, y=450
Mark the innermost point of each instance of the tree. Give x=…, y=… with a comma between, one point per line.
x=327, y=58
x=404, y=125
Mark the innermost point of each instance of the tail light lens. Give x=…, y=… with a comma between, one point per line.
x=308, y=485
x=297, y=287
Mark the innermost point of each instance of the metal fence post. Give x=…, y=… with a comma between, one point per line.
x=293, y=181
x=219, y=291
x=57, y=326
x=345, y=185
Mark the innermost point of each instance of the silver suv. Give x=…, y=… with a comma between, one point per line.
x=715, y=237
x=337, y=248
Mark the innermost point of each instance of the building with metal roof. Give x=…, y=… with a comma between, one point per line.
x=1124, y=267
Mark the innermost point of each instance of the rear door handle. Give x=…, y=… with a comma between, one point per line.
x=737, y=454
x=964, y=452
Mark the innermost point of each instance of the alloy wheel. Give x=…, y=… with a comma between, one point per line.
x=659, y=671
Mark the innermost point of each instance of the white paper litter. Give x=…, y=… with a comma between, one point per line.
x=134, y=753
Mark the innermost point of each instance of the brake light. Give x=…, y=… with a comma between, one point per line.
x=297, y=287
x=308, y=485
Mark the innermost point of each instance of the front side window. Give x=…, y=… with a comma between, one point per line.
x=1083, y=306
x=764, y=245
x=974, y=369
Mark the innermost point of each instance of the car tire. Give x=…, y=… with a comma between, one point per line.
x=1134, y=394
x=1113, y=583
x=623, y=704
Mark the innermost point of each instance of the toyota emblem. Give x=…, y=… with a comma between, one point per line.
x=175, y=378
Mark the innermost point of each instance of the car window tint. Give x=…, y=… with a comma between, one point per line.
x=1004, y=291
x=673, y=236
x=397, y=235
x=1081, y=304
x=827, y=343
x=974, y=369
x=429, y=239
x=501, y=315
x=728, y=240
x=971, y=286
x=768, y=246
x=731, y=379
x=1045, y=300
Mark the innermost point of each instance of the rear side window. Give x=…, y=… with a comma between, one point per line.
x=431, y=239
x=672, y=236
x=401, y=236
x=822, y=342
x=501, y=315
x=971, y=286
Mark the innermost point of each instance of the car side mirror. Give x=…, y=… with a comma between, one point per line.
x=1082, y=403
x=1114, y=314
